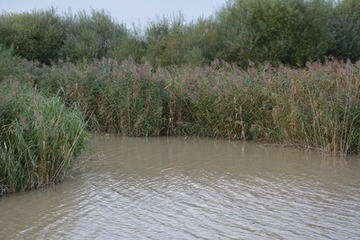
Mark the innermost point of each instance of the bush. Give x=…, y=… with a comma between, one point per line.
x=132, y=46
x=245, y=32
x=39, y=138
x=278, y=31
x=90, y=36
x=34, y=36
x=172, y=42
x=165, y=41
x=9, y=64
x=346, y=30
x=202, y=39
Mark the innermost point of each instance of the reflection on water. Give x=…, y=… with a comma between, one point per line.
x=171, y=188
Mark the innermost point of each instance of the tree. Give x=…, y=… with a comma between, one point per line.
x=35, y=36
x=286, y=31
x=90, y=36
x=346, y=30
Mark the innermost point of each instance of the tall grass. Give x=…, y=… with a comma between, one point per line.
x=317, y=106
x=39, y=138
x=113, y=97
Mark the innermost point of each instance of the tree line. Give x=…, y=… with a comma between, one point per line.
x=242, y=32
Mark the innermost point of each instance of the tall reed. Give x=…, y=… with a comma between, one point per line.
x=39, y=138
x=317, y=106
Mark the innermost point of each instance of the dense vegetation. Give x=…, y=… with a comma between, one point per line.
x=291, y=32
x=39, y=138
x=317, y=106
x=284, y=71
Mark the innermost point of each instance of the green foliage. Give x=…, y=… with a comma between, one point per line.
x=286, y=31
x=44, y=36
x=133, y=46
x=9, y=64
x=244, y=32
x=346, y=30
x=172, y=42
x=35, y=36
x=165, y=41
x=202, y=39
x=90, y=36
x=39, y=138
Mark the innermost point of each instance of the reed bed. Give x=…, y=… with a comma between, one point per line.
x=316, y=106
x=39, y=138
x=43, y=112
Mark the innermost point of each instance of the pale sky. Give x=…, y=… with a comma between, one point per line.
x=128, y=12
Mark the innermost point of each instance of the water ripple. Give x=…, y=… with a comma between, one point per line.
x=204, y=189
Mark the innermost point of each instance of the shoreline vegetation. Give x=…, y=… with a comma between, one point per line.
x=229, y=76
x=39, y=138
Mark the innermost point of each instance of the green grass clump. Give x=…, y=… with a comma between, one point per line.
x=39, y=138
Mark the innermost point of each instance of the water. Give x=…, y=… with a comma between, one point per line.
x=176, y=188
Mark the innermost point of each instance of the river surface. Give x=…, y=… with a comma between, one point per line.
x=176, y=188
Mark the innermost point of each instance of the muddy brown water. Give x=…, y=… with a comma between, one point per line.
x=176, y=188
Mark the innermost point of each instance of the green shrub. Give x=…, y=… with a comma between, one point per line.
x=165, y=41
x=90, y=36
x=245, y=32
x=9, y=64
x=202, y=39
x=39, y=138
x=278, y=31
x=170, y=41
x=35, y=36
x=346, y=30
x=132, y=46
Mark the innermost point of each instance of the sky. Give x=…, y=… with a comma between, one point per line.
x=138, y=12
